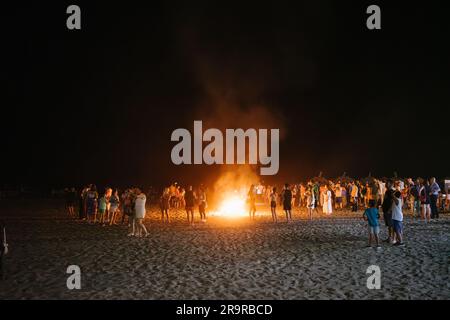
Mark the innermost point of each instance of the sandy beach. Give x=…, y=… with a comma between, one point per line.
x=222, y=259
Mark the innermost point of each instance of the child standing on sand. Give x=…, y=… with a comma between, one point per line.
x=371, y=215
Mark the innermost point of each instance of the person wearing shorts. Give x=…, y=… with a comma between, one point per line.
x=114, y=207
x=287, y=202
x=372, y=215
x=397, y=218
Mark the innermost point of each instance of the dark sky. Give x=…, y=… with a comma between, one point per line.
x=99, y=104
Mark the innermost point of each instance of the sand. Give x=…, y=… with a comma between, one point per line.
x=222, y=259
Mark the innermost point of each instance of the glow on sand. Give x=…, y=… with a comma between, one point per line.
x=232, y=206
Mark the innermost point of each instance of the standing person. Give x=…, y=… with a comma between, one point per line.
x=126, y=206
x=434, y=194
x=251, y=198
x=415, y=194
x=139, y=214
x=108, y=194
x=3, y=248
x=397, y=218
x=354, y=196
x=322, y=191
x=302, y=195
x=371, y=215
x=338, y=195
x=189, y=200
x=91, y=204
x=381, y=191
x=315, y=191
x=310, y=203
x=165, y=205
x=202, y=204
x=114, y=207
x=327, y=201
x=374, y=192
x=70, y=195
x=366, y=194
x=273, y=204
x=102, y=205
x=344, y=197
x=82, y=203
x=387, y=214
x=286, y=195
x=424, y=195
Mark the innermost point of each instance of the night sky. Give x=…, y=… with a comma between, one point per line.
x=99, y=104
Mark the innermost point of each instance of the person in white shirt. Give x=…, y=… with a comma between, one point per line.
x=397, y=217
x=139, y=208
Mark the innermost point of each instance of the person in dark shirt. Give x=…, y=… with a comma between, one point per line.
x=387, y=213
x=287, y=202
x=189, y=200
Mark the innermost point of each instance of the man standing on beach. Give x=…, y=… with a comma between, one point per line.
x=286, y=195
x=434, y=194
x=189, y=200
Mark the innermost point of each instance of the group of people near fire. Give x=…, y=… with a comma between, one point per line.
x=422, y=197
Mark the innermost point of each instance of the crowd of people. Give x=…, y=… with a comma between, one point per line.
x=111, y=208
x=421, y=197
